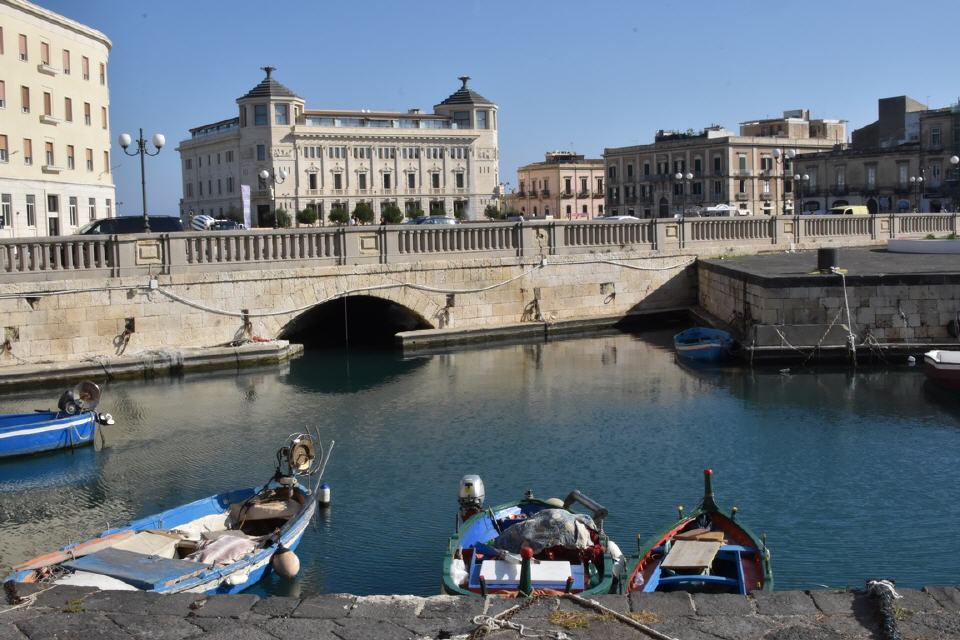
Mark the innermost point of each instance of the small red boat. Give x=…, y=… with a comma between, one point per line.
x=943, y=367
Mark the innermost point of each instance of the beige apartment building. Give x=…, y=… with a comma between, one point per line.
x=692, y=172
x=907, y=160
x=54, y=123
x=325, y=159
x=564, y=186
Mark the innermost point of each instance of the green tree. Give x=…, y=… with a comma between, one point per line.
x=338, y=215
x=391, y=214
x=437, y=209
x=415, y=212
x=363, y=212
x=307, y=216
x=283, y=218
x=234, y=213
x=492, y=212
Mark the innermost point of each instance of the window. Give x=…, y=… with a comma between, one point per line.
x=482, y=119
x=1, y=40
x=717, y=165
x=411, y=181
x=312, y=181
x=31, y=210
x=48, y=153
x=742, y=164
x=25, y=99
x=89, y=159
x=259, y=114
x=68, y=109
x=85, y=67
x=599, y=185
x=362, y=178
x=646, y=168
x=243, y=116
x=92, y=208
x=72, y=210
x=218, y=158
x=70, y=160
x=106, y=162
x=200, y=161
x=3, y=148
x=461, y=119
x=338, y=181
x=697, y=166
x=766, y=163
x=188, y=164
x=742, y=186
x=210, y=187
x=45, y=54
x=435, y=180
x=281, y=114
x=103, y=73
x=109, y=208
x=219, y=187
x=229, y=156
x=629, y=170
x=583, y=185
x=766, y=186
x=189, y=189
x=717, y=187
x=6, y=209
x=53, y=204
x=387, y=181
x=23, y=47
x=103, y=117
x=86, y=113
x=27, y=151
x=66, y=62
x=261, y=152
x=935, y=137
x=612, y=172
x=230, y=184
x=3, y=94
x=47, y=104
x=871, y=177
x=841, y=174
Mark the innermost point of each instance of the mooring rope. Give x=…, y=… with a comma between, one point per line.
x=885, y=594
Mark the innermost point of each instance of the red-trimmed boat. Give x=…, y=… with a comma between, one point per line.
x=943, y=367
x=704, y=552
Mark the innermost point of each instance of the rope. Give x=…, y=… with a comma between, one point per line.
x=486, y=624
x=851, y=338
x=593, y=604
x=885, y=594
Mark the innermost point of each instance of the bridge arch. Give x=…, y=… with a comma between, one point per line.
x=357, y=320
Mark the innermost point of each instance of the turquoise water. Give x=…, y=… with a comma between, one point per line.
x=851, y=475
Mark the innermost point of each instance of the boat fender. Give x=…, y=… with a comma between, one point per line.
x=458, y=572
x=324, y=498
x=237, y=578
x=286, y=563
x=619, y=562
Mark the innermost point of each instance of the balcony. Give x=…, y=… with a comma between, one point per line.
x=766, y=197
x=566, y=194
x=51, y=168
x=598, y=195
x=839, y=190
x=47, y=69
x=47, y=119
x=742, y=196
x=388, y=192
x=583, y=194
x=545, y=193
x=436, y=191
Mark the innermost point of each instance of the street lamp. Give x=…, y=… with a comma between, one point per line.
x=270, y=179
x=682, y=179
x=781, y=157
x=917, y=182
x=158, y=141
x=955, y=160
x=799, y=181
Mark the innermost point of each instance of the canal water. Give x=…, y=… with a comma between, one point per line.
x=851, y=475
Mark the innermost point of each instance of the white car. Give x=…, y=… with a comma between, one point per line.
x=621, y=218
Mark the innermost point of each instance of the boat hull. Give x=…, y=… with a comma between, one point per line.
x=233, y=577
x=938, y=369
x=700, y=344
x=24, y=434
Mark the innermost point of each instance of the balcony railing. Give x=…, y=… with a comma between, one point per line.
x=583, y=194
x=598, y=194
x=545, y=193
x=566, y=194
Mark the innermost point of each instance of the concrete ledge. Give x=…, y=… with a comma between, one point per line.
x=923, y=246
x=150, y=363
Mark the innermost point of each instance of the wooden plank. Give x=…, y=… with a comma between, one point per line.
x=691, y=554
x=145, y=572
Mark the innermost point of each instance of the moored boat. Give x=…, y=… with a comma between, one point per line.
x=703, y=344
x=943, y=367
x=74, y=424
x=220, y=544
x=527, y=546
x=704, y=551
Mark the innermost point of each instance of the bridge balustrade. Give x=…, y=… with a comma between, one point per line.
x=602, y=233
x=926, y=223
x=733, y=229
x=833, y=226
x=57, y=257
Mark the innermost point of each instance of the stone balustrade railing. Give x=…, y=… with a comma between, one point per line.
x=34, y=259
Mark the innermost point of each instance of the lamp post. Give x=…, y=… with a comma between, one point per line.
x=799, y=181
x=917, y=183
x=682, y=179
x=271, y=178
x=781, y=157
x=955, y=161
x=158, y=142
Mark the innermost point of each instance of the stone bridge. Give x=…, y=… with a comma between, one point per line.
x=84, y=296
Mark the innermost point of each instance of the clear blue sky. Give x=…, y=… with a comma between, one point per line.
x=566, y=75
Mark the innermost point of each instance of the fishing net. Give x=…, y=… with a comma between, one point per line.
x=546, y=529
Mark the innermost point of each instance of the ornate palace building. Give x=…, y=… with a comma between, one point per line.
x=54, y=123
x=321, y=159
x=565, y=186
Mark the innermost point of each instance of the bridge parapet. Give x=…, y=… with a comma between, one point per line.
x=71, y=257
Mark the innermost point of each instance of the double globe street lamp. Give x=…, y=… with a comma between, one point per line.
x=799, y=181
x=917, y=183
x=158, y=141
x=781, y=157
x=683, y=179
x=269, y=179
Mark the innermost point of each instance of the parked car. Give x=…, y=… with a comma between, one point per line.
x=433, y=220
x=226, y=225
x=621, y=218
x=851, y=210
x=131, y=224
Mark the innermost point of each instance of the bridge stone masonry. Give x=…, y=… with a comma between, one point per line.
x=88, y=297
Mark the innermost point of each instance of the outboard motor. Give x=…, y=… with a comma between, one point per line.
x=471, y=496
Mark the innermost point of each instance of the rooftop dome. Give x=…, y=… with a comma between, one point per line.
x=269, y=88
x=465, y=95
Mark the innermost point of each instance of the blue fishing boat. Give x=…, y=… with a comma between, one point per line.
x=74, y=424
x=220, y=544
x=702, y=344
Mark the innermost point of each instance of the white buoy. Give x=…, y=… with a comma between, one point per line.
x=911, y=360
x=324, y=498
x=286, y=563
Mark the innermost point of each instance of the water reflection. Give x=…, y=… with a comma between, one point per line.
x=844, y=470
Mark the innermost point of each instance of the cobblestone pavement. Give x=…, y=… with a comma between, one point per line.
x=76, y=613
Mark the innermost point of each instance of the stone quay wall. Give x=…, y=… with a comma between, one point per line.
x=82, y=297
x=79, y=612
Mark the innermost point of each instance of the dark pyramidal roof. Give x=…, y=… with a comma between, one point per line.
x=464, y=95
x=269, y=88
